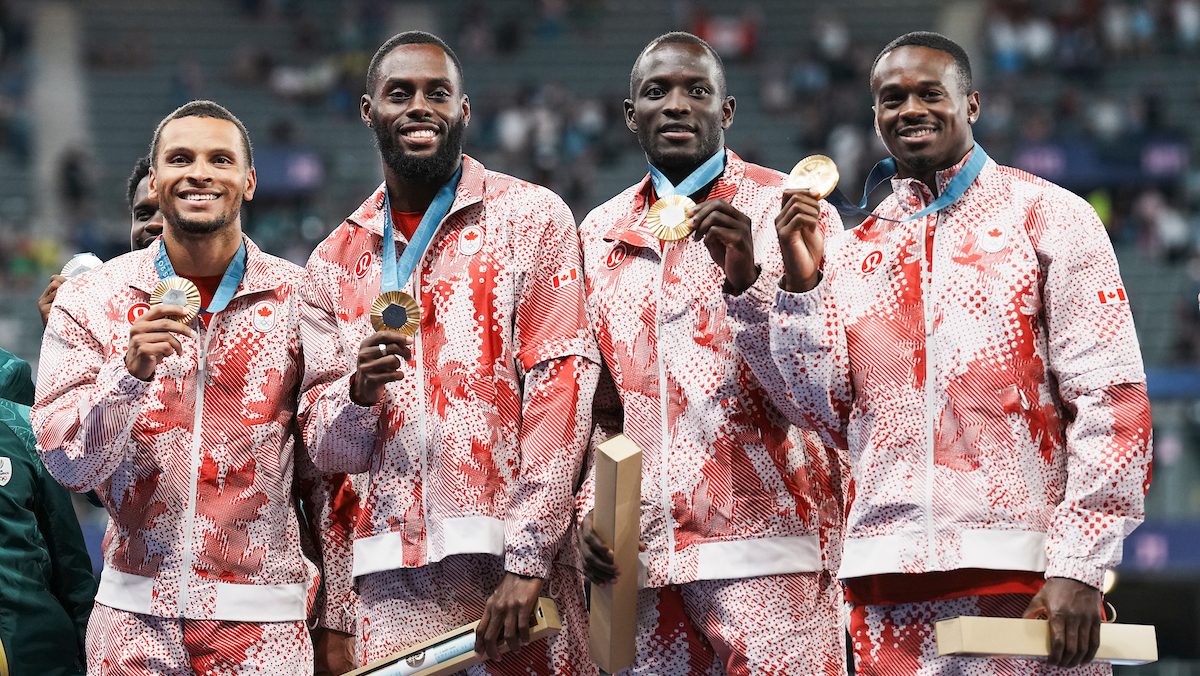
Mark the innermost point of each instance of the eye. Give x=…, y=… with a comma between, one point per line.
x=222, y=159
x=654, y=92
x=177, y=158
x=142, y=215
x=397, y=95
x=933, y=95
x=440, y=94
x=699, y=91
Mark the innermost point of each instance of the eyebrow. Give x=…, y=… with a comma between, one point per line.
x=214, y=151
x=436, y=81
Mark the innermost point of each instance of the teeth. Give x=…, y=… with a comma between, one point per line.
x=420, y=133
x=199, y=198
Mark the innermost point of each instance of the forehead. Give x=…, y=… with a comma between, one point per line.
x=913, y=64
x=416, y=63
x=201, y=133
x=679, y=60
x=142, y=192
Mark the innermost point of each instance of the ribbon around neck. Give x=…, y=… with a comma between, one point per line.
x=396, y=274
x=699, y=178
x=885, y=169
x=229, y=282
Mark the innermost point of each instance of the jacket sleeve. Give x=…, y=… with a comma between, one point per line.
x=340, y=435
x=72, y=582
x=750, y=315
x=558, y=363
x=1095, y=359
x=608, y=420
x=86, y=401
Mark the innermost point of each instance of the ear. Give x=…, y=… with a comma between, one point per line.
x=364, y=109
x=973, y=107
x=466, y=110
x=630, y=120
x=151, y=185
x=875, y=121
x=727, y=108
x=251, y=183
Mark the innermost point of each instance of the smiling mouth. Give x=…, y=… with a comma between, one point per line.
x=916, y=133
x=419, y=134
x=199, y=197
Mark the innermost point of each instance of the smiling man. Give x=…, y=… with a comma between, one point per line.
x=469, y=405
x=183, y=424
x=741, y=510
x=973, y=345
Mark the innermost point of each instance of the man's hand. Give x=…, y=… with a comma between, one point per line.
x=46, y=300
x=1073, y=609
x=599, y=562
x=152, y=339
x=800, y=240
x=727, y=234
x=507, y=614
x=380, y=359
x=333, y=652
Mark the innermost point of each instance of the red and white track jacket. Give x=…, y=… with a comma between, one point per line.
x=729, y=488
x=196, y=466
x=982, y=366
x=478, y=448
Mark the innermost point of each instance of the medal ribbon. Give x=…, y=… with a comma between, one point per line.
x=886, y=169
x=229, y=282
x=393, y=272
x=699, y=178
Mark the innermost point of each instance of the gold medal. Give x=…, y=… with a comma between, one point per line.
x=668, y=218
x=181, y=292
x=817, y=173
x=79, y=264
x=396, y=311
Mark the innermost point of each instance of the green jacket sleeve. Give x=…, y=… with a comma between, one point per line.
x=72, y=583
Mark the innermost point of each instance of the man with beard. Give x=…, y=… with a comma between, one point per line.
x=146, y=225
x=180, y=415
x=741, y=510
x=470, y=406
x=973, y=343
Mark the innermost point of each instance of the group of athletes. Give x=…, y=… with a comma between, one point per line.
x=939, y=412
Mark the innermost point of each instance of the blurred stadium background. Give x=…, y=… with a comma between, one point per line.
x=1097, y=95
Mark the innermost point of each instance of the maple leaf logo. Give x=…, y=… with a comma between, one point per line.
x=264, y=311
x=994, y=232
x=470, y=235
x=229, y=503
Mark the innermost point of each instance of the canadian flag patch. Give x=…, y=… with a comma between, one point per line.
x=1113, y=295
x=263, y=316
x=470, y=240
x=566, y=277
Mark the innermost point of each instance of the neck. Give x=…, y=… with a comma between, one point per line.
x=929, y=176
x=204, y=255
x=410, y=195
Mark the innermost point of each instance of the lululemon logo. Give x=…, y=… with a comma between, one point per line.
x=872, y=261
x=615, y=256
x=363, y=264
x=135, y=313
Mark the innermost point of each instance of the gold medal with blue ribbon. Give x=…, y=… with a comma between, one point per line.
x=669, y=219
x=175, y=290
x=394, y=309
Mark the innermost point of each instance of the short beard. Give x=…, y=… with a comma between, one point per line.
x=436, y=169
x=191, y=227
x=709, y=147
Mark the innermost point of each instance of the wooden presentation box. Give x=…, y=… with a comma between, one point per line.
x=1008, y=637
x=545, y=623
x=617, y=519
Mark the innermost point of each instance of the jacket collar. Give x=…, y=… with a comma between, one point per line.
x=629, y=228
x=369, y=214
x=258, y=276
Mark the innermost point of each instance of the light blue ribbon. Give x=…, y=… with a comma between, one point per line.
x=396, y=274
x=699, y=178
x=229, y=283
x=886, y=169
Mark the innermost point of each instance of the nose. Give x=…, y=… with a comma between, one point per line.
x=418, y=106
x=154, y=226
x=677, y=103
x=912, y=107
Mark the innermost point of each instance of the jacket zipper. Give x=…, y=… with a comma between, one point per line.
x=664, y=454
x=928, y=247
x=189, y=516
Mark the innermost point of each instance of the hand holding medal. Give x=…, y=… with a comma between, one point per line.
x=670, y=217
x=801, y=241
x=152, y=339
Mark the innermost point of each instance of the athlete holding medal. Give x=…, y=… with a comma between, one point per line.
x=168, y=385
x=741, y=510
x=971, y=342
x=458, y=376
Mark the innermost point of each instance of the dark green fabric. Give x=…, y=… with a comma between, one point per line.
x=46, y=582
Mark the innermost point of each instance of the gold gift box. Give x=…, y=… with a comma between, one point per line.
x=1009, y=637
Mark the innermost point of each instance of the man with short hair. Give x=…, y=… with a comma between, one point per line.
x=469, y=405
x=741, y=510
x=146, y=225
x=972, y=343
x=180, y=416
